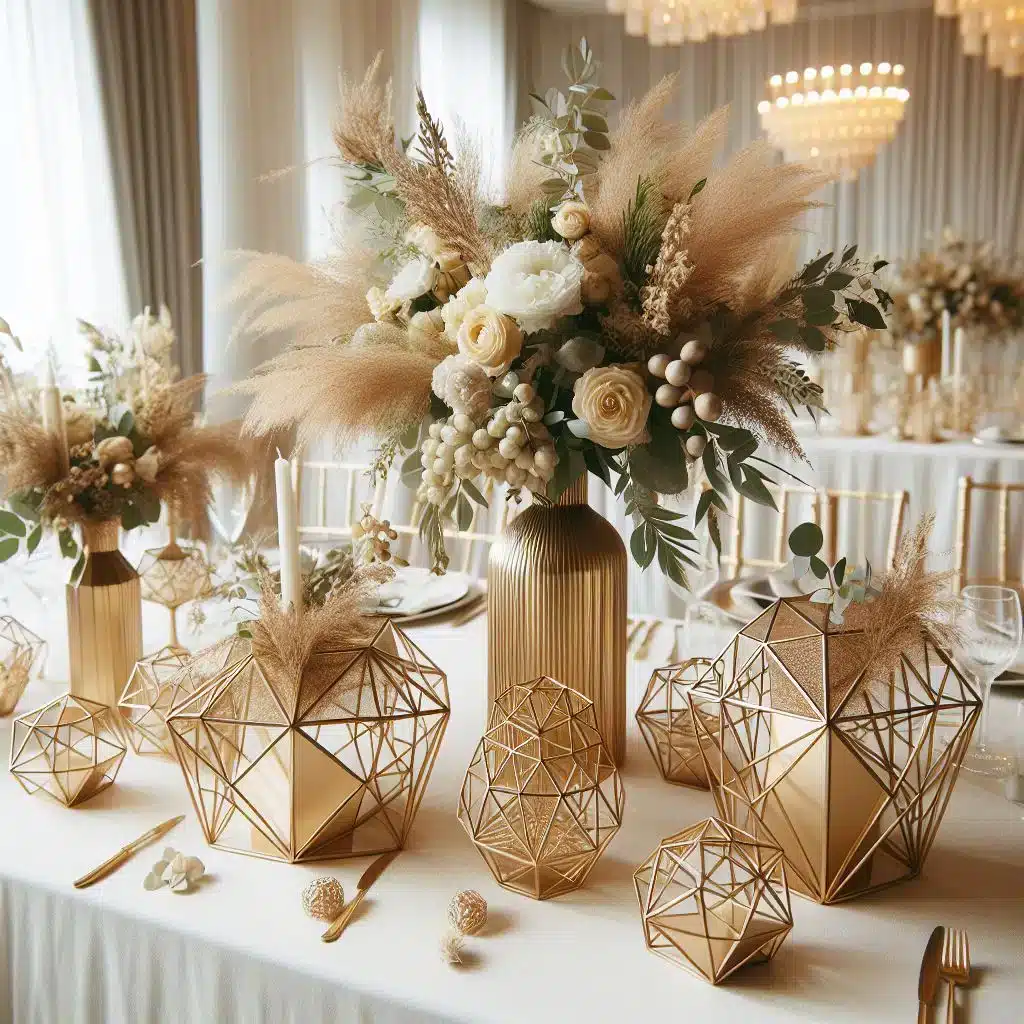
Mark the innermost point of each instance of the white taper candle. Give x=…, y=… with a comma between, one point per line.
x=288, y=536
x=947, y=353
x=51, y=408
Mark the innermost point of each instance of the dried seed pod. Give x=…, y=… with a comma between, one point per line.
x=323, y=898
x=657, y=365
x=468, y=911
x=708, y=406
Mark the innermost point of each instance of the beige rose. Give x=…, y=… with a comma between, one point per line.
x=426, y=334
x=79, y=423
x=112, y=450
x=571, y=220
x=614, y=403
x=382, y=308
x=490, y=338
x=601, y=280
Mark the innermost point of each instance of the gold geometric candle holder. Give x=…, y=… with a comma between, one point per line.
x=20, y=650
x=156, y=684
x=69, y=749
x=848, y=773
x=542, y=797
x=172, y=576
x=714, y=898
x=334, y=764
x=667, y=721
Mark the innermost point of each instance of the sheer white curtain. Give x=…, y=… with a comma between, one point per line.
x=60, y=256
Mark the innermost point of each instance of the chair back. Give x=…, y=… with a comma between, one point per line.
x=1008, y=570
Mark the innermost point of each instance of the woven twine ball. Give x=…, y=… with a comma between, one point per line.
x=468, y=911
x=323, y=898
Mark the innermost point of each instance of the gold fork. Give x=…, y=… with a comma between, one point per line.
x=955, y=966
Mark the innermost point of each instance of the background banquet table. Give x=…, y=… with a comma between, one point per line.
x=241, y=949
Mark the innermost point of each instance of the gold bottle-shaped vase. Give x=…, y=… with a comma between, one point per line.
x=556, y=585
x=104, y=617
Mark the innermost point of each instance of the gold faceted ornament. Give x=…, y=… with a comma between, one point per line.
x=849, y=774
x=666, y=718
x=172, y=576
x=20, y=650
x=542, y=797
x=467, y=912
x=333, y=764
x=713, y=898
x=70, y=748
x=323, y=898
x=156, y=684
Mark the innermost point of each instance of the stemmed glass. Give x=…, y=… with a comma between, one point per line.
x=991, y=621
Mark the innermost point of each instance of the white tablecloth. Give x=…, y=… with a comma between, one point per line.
x=241, y=950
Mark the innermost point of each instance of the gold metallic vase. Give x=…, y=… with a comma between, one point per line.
x=556, y=585
x=104, y=617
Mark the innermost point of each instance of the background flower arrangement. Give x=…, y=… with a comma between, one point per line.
x=965, y=278
x=132, y=442
x=626, y=309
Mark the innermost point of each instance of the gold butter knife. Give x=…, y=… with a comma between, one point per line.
x=126, y=852
x=928, y=981
x=369, y=876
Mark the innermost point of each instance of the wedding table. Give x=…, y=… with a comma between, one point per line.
x=241, y=949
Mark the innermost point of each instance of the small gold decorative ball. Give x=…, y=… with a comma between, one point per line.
x=468, y=911
x=323, y=898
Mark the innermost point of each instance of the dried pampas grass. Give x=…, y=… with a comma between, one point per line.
x=364, y=128
x=672, y=270
x=286, y=640
x=352, y=390
x=29, y=456
x=525, y=171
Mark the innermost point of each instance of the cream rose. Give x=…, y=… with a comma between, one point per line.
x=571, y=220
x=490, y=338
x=614, y=403
x=472, y=294
x=112, y=450
x=601, y=280
x=426, y=334
x=416, y=278
x=535, y=283
x=382, y=309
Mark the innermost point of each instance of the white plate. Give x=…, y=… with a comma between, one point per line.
x=475, y=590
x=757, y=590
x=733, y=605
x=415, y=591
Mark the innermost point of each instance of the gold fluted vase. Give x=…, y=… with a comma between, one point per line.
x=104, y=617
x=556, y=584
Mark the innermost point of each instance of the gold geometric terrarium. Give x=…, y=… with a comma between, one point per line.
x=666, y=719
x=850, y=774
x=20, y=649
x=69, y=749
x=714, y=898
x=156, y=684
x=331, y=765
x=172, y=576
x=542, y=797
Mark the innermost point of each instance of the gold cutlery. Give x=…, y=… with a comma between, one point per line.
x=127, y=852
x=644, y=649
x=928, y=981
x=368, y=877
x=955, y=967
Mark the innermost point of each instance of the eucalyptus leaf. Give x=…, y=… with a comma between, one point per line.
x=866, y=314
x=473, y=491
x=815, y=267
x=818, y=567
x=839, y=571
x=813, y=338
x=643, y=545
x=8, y=548
x=838, y=280
x=806, y=540
x=463, y=513
x=34, y=538
x=821, y=317
x=818, y=298
x=596, y=140
x=787, y=330
x=66, y=540
x=12, y=524
x=697, y=189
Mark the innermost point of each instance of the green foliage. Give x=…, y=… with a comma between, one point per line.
x=538, y=223
x=642, y=225
x=797, y=389
x=657, y=534
x=432, y=534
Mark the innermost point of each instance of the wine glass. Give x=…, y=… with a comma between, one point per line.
x=990, y=618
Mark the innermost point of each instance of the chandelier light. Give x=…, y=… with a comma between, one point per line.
x=670, y=22
x=994, y=28
x=836, y=119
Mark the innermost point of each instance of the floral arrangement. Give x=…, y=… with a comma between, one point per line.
x=966, y=279
x=131, y=444
x=625, y=309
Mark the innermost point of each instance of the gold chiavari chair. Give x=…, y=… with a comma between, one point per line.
x=329, y=497
x=1007, y=574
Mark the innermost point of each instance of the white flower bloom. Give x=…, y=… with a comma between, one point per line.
x=154, y=335
x=578, y=355
x=471, y=295
x=536, y=283
x=416, y=278
x=425, y=239
x=490, y=338
x=463, y=386
x=382, y=308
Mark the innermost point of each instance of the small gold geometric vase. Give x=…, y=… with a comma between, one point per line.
x=104, y=617
x=556, y=585
x=172, y=576
x=156, y=685
x=20, y=650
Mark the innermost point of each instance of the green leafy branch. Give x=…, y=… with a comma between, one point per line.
x=658, y=533
x=642, y=226
x=841, y=584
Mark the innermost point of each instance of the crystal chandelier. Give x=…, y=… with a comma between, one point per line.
x=679, y=21
x=836, y=121
x=994, y=28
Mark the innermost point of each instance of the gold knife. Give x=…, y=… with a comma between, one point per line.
x=126, y=852
x=369, y=876
x=929, y=978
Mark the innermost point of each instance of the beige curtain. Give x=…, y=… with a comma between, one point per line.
x=147, y=61
x=958, y=159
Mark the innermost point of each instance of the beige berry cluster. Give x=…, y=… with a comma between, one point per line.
x=378, y=533
x=687, y=390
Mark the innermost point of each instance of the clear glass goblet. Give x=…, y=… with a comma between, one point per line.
x=990, y=618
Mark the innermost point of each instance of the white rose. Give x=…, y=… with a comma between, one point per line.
x=536, y=283
x=416, y=278
x=425, y=239
x=463, y=386
x=472, y=294
x=490, y=338
x=382, y=308
x=571, y=220
x=614, y=403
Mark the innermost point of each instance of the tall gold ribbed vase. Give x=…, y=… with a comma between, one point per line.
x=556, y=585
x=104, y=617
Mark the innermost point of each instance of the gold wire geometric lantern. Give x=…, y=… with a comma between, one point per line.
x=666, y=719
x=848, y=773
x=20, y=649
x=542, y=797
x=714, y=898
x=172, y=576
x=69, y=749
x=156, y=684
x=332, y=765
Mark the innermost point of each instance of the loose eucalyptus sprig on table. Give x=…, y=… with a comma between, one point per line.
x=840, y=585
